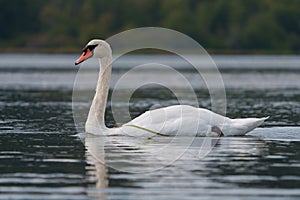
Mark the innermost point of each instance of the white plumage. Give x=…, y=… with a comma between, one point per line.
x=169, y=121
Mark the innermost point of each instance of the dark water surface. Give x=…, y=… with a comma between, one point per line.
x=42, y=157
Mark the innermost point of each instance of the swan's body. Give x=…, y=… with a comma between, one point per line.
x=172, y=120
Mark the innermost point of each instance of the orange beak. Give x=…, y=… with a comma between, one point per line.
x=84, y=56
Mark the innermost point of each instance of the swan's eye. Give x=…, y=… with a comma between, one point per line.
x=89, y=47
x=92, y=47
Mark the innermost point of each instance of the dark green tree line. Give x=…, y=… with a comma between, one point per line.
x=225, y=25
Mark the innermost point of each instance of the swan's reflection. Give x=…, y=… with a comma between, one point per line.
x=145, y=154
x=95, y=156
x=151, y=158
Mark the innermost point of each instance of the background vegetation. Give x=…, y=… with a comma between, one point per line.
x=226, y=26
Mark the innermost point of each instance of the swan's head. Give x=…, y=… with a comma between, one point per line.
x=95, y=48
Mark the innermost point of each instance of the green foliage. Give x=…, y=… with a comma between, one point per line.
x=268, y=25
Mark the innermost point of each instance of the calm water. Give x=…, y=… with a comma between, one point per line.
x=43, y=155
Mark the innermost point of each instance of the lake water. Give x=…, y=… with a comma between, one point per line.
x=43, y=155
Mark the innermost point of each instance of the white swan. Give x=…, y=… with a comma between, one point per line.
x=172, y=120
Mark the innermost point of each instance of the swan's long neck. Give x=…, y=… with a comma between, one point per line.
x=97, y=110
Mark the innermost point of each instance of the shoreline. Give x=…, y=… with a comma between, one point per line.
x=69, y=50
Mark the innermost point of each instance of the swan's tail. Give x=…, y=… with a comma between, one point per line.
x=243, y=126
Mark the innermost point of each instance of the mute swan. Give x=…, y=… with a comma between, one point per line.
x=172, y=120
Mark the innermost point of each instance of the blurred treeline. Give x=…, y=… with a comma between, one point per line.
x=222, y=26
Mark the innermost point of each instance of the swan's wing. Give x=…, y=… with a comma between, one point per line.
x=172, y=120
